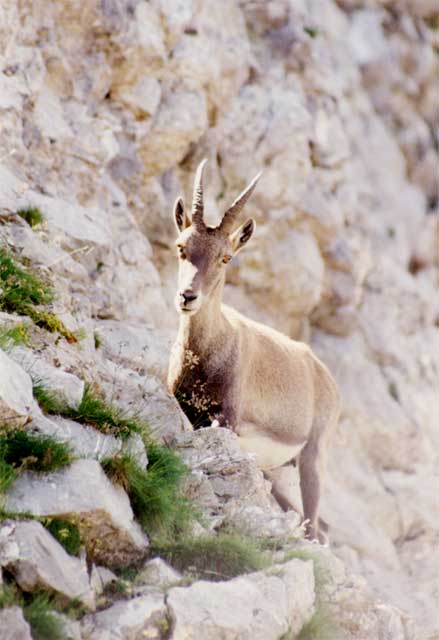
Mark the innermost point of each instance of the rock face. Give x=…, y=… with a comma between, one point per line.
x=106, y=110
x=37, y=561
x=229, y=486
x=140, y=617
x=84, y=493
x=13, y=626
x=269, y=605
x=15, y=392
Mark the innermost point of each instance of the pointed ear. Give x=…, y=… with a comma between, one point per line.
x=181, y=218
x=242, y=235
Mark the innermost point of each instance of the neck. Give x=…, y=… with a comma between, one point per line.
x=204, y=326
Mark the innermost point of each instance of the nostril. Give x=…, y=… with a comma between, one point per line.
x=189, y=296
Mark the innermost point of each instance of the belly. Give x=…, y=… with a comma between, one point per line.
x=269, y=452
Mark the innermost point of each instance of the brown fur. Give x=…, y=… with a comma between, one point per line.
x=273, y=392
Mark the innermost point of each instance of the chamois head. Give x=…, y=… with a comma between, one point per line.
x=204, y=251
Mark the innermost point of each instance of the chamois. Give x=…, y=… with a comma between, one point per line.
x=272, y=391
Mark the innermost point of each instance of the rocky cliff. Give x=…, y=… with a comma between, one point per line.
x=106, y=108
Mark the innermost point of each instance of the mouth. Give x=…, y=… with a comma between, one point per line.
x=187, y=309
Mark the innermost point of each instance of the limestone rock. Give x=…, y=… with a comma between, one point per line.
x=228, y=485
x=156, y=573
x=85, y=441
x=38, y=561
x=13, y=626
x=140, y=617
x=100, y=577
x=269, y=605
x=103, y=515
x=67, y=387
x=16, y=397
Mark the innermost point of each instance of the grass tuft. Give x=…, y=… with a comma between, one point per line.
x=214, y=558
x=32, y=215
x=13, y=336
x=92, y=410
x=320, y=627
x=66, y=532
x=21, y=289
x=39, y=613
x=20, y=450
x=155, y=494
x=23, y=292
x=37, y=610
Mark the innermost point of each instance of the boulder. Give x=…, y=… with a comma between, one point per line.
x=156, y=573
x=38, y=561
x=228, y=485
x=271, y=603
x=140, y=617
x=13, y=626
x=67, y=387
x=82, y=492
x=16, y=397
x=85, y=441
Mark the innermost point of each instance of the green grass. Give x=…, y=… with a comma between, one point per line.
x=20, y=450
x=39, y=613
x=21, y=289
x=32, y=215
x=13, y=336
x=93, y=410
x=66, y=532
x=321, y=626
x=24, y=293
x=313, y=32
x=155, y=493
x=219, y=557
x=38, y=610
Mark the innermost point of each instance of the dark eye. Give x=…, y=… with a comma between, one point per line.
x=227, y=259
x=181, y=252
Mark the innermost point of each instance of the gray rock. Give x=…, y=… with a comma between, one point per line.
x=13, y=626
x=100, y=577
x=228, y=485
x=140, y=617
x=157, y=573
x=85, y=441
x=16, y=397
x=259, y=606
x=38, y=561
x=101, y=509
x=66, y=386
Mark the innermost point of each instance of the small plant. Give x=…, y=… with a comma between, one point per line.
x=39, y=613
x=8, y=596
x=66, y=532
x=32, y=215
x=97, y=340
x=13, y=336
x=20, y=450
x=23, y=292
x=215, y=558
x=92, y=410
x=155, y=493
x=37, y=610
x=313, y=32
x=320, y=627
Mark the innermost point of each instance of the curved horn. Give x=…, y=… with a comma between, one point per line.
x=198, y=201
x=235, y=209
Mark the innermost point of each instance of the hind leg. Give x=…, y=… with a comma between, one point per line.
x=284, y=487
x=311, y=468
x=285, y=490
